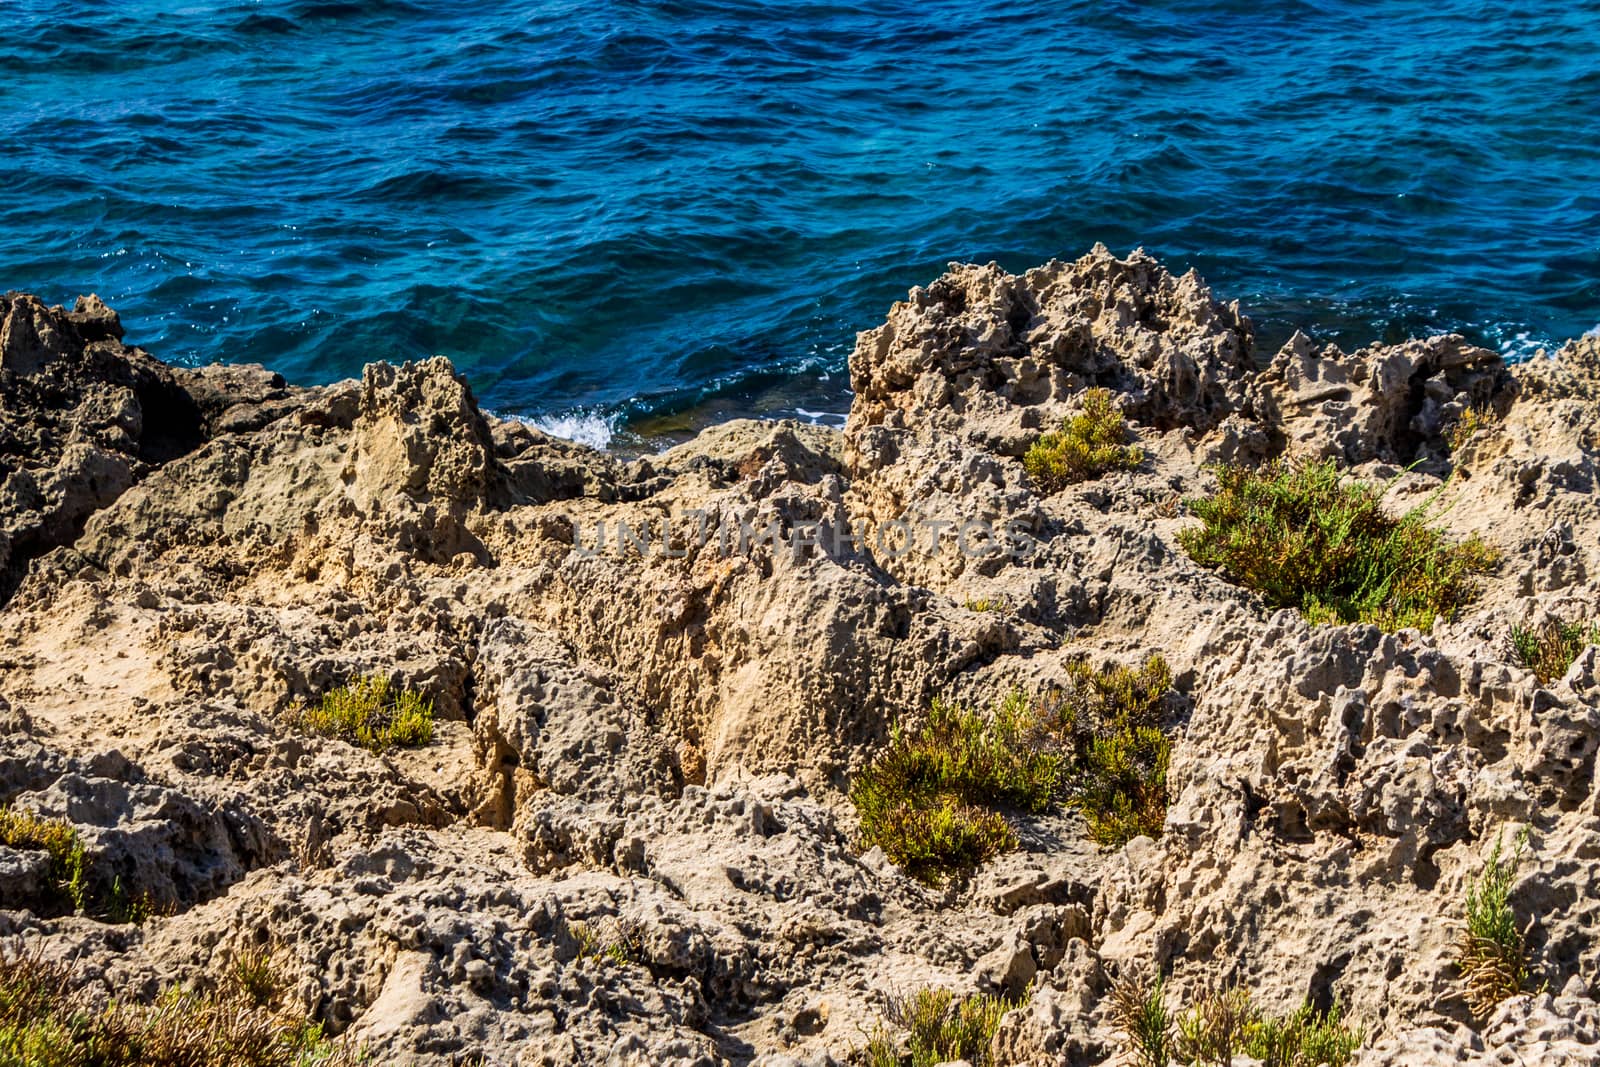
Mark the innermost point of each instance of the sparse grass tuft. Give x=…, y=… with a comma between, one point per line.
x=881, y=1051
x=996, y=605
x=1214, y=1029
x=1467, y=425
x=1492, y=955
x=255, y=977
x=940, y=1027
x=68, y=858
x=1299, y=536
x=44, y=1023
x=1109, y=723
x=1086, y=446
x=932, y=800
x=1139, y=1010
x=618, y=948
x=1224, y=1024
x=1549, y=650
x=1303, y=1039
x=368, y=712
x=129, y=908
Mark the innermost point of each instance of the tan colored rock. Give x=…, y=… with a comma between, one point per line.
x=652, y=739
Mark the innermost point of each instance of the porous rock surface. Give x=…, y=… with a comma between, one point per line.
x=647, y=740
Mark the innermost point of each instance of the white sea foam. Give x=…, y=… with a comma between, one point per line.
x=822, y=418
x=1522, y=345
x=579, y=426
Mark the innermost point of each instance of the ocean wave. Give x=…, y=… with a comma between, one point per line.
x=591, y=428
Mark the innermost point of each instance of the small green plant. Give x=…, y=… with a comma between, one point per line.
x=1303, y=1038
x=586, y=940
x=370, y=713
x=997, y=605
x=45, y=1023
x=1303, y=538
x=1549, y=650
x=1139, y=1010
x=127, y=907
x=255, y=976
x=933, y=799
x=68, y=858
x=940, y=1027
x=1087, y=445
x=619, y=949
x=937, y=798
x=880, y=1051
x=1491, y=953
x=1223, y=1024
x=1110, y=725
x=1467, y=425
x=1215, y=1028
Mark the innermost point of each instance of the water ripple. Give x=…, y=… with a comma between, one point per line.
x=607, y=210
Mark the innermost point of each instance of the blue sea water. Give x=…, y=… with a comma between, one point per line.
x=626, y=209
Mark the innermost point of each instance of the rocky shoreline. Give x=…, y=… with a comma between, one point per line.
x=658, y=741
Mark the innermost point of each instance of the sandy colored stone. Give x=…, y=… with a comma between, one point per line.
x=655, y=742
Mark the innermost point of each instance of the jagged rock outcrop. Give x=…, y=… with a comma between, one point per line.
x=84, y=417
x=655, y=679
x=1391, y=403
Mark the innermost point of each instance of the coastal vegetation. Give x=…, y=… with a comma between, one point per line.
x=1223, y=1024
x=1111, y=726
x=371, y=713
x=1139, y=1013
x=1468, y=425
x=617, y=947
x=1088, y=445
x=1304, y=537
x=44, y=1022
x=940, y=1027
x=1491, y=953
x=1548, y=650
x=68, y=879
x=933, y=799
x=21, y=829
x=936, y=800
x=255, y=975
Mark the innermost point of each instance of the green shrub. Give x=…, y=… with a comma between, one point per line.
x=936, y=799
x=1549, y=650
x=1224, y=1024
x=941, y=1027
x=68, y=859
x=1214, y=1029
x=1303, y=1038
x=1139, y=1010
x=255, y=977
x=1491, y=953
x=44, y=1023
x=369, y=713
x=1299, y=536
x=1109, y=724
x=932, y=799
x=933, y=839
x=1086, y=446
